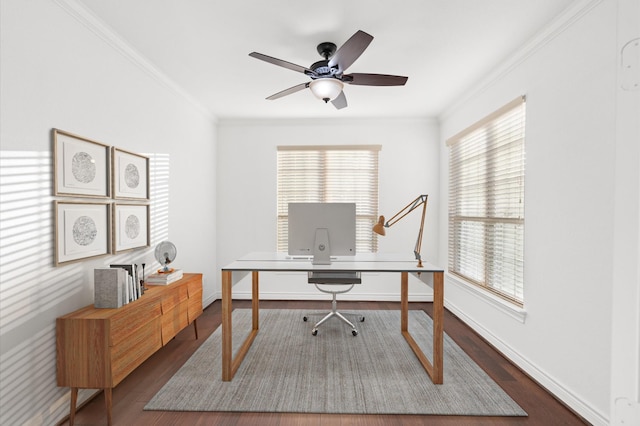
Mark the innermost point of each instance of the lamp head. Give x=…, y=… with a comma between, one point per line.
x=378, y=228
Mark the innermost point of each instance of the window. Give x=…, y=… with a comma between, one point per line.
x=347, y=174
x=486, y=202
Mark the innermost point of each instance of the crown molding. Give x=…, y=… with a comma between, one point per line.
x=336, y=122
x=553, y=29
x=98, y=27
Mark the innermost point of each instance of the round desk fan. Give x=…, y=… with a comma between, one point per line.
x=165, y=254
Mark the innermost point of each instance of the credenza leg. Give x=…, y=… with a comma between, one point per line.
x=108, y=393
x=195, y=327
x=72, y=408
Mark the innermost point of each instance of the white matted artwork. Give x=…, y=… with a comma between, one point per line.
x=82, y=230
x=81, y=166
x=130, y=175
x=130, y=226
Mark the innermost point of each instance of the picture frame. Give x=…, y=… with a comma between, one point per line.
x=82, y=230
x=81, y=166
x=130, y=173
x=131, y=226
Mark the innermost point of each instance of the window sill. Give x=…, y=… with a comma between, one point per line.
x=502, y=305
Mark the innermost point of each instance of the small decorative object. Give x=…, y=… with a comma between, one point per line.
x=81, y=166
x=378, y=228
x=130, y=175
x=81, y=230
x=165, y=254
x=130, y=226
x=144, y=288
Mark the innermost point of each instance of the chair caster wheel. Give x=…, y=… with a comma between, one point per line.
x=305, y=319
x=354, y=332
x=361, y=319
x=314, y=332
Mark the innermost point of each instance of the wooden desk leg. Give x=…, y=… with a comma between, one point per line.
x=255, y=301
x=229, y=364
x=108, y=402
x=227, y=374
x=438, y=327
x=72, y=408
x=404, y=301
x=435, y=369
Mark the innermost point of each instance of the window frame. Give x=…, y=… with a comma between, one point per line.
x=484, y=174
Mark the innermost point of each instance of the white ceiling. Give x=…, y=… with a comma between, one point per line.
x=443, y=46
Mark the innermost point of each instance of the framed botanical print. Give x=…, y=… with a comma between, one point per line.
x=82, y=230
x=81, y=166
x=130, y=226
x=130, y=175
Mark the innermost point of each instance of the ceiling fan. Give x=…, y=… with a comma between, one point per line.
x=328, y=75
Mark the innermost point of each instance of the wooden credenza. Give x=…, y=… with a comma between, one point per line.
x=98, y=348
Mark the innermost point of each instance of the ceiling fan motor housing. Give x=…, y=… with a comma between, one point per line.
x=321, y=69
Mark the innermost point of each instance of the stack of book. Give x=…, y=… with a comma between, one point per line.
x=164, y=278
x=116, y=286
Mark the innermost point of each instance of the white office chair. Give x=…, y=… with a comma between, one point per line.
x=334, y=283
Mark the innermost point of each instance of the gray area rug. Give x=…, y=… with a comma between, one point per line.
x=289, y=370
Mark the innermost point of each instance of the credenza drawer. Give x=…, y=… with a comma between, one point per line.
x=195, y=305
x=173, y=297
x=131, y=317
x=132, y=352
x=174, y=320
x=194, y=286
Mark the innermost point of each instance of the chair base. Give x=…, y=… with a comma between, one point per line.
x=354, y=330
x=334, y=313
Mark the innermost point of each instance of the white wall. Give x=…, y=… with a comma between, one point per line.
x=569, y=79
x=60, y=71
x=247, y=192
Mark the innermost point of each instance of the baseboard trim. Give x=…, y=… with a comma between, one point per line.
x=360, y=297
x=564, y=395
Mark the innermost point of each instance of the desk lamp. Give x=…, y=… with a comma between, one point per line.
x=378, y=228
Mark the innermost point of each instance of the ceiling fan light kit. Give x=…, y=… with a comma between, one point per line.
x=328, y=77
x=327, y=88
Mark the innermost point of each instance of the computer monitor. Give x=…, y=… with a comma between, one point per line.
x=322, y=230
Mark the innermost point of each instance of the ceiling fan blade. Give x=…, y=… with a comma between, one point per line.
x=281, y=63
x=289, y=91
x=350, y=50
x=340, y=102
x=375, y=79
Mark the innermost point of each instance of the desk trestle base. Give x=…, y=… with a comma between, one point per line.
x=434, y=368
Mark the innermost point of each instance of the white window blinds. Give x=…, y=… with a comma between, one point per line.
x=486, y=202
x=347, y=174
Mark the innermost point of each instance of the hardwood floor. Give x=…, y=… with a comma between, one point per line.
x=130, y=396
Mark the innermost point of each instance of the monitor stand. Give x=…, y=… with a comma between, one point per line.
x=321, y=248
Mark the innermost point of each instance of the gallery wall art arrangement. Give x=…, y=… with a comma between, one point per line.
x=102, y=198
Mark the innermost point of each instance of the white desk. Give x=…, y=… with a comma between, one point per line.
x=370, y=262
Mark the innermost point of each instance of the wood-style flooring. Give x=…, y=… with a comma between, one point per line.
x=130, y=396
